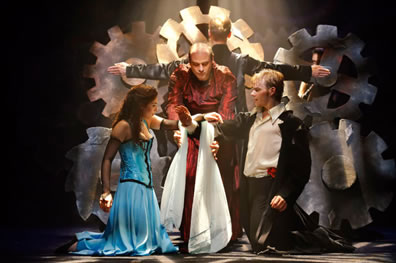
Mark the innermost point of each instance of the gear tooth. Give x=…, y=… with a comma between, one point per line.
x=374, y=146
x=354, y=43
x=115, y=33
x=258, y=49
x=192, y=33
x=217, y=11
x=374, y=143
x=370, y=92
x=156, y=34
x=139, y=28
x=89, y=71
x=107, y=110
x=171, y=30
x=325, y=32
x=94, y=94
x=254, y=53
x=300, y=39
x=285, y=56
x=97, y=49
x=193, y=15
x=280, y=55
x=243, y=27
x=165, y=54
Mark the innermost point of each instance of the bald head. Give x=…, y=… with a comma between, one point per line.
x=200, y=47
x=200, y=57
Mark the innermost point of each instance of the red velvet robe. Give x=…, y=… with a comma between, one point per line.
x=219, y=94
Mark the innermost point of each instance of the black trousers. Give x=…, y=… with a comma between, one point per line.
x=256, y=210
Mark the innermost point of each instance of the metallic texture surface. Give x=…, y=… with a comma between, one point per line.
x=346, y=182
x=357, y=88
x=348, y=174
x=134, y=46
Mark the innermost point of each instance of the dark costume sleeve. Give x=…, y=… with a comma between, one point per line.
x=290, y=72
x=110, y=152
x=299, y=166
x=169, y=124
x=159, y=71
x=234, y=129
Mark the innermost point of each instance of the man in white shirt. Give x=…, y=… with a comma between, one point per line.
x=276, y=167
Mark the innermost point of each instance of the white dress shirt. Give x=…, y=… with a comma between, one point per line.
x=264, y=142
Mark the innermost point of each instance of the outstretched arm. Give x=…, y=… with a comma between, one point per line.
x=290, y=72
x=158, y=71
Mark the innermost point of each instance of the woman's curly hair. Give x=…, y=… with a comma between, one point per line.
x=131, y=109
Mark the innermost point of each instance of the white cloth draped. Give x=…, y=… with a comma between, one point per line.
x=210, y=219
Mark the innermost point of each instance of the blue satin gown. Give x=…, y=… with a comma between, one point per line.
x=134, y=227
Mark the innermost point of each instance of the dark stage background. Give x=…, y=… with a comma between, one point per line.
x=47, y=88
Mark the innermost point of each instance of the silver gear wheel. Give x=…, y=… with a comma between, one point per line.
x=358, y=89
x=348, y=173
x=133, y=47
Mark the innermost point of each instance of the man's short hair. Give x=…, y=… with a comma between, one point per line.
x=220, y=27
x=271, y=78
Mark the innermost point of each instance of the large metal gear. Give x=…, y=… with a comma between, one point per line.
x=358, y=89
x=192, y=16
x=348, y=173
x=133, y=47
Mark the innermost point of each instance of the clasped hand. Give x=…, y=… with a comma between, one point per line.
x=106, y=201
x=186, y=120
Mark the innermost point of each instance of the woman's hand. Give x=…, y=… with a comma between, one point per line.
x=184, y=115
x=215, y=149
x=177, y=138
x=106, y=201
x=213, y=117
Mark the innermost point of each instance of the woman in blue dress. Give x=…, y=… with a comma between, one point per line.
x=133, y=227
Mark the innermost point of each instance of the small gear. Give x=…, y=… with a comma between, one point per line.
x=348, y=175
x=192, y=16
x=136, y=46
x=357, y=89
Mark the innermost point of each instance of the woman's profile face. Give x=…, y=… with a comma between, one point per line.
x=150, y=109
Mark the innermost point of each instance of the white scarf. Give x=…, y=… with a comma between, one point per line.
x=210, y=219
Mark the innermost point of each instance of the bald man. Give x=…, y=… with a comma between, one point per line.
x=203, y=86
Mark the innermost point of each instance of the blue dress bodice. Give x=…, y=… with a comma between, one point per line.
x=135, y=162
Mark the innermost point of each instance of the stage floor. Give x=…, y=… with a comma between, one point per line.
x=38, y=244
